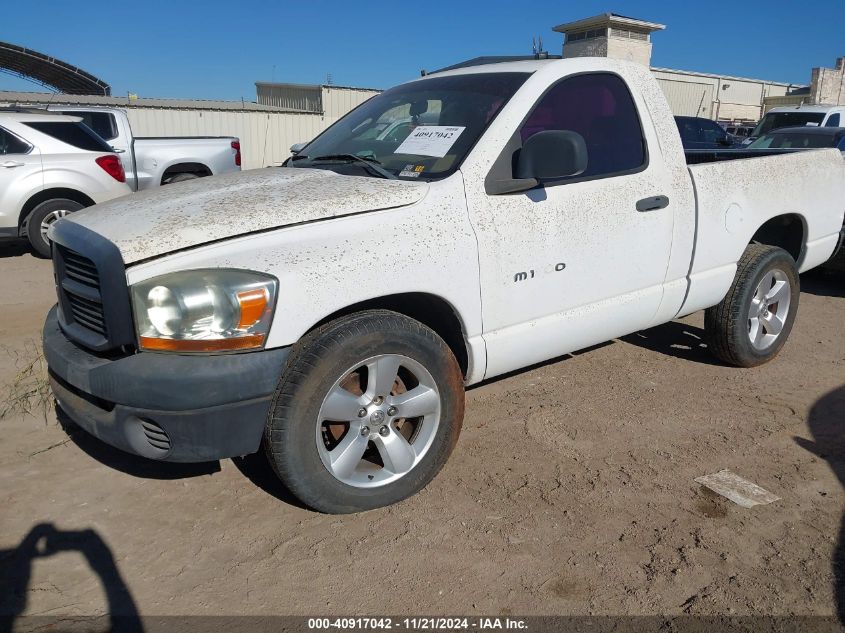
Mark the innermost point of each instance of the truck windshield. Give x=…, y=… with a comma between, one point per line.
x=793, y=140
x=421, y=130
x=776, y=120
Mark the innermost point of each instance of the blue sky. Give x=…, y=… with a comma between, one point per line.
x=217, y=49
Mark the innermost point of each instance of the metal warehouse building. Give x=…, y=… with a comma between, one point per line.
x=266, y=131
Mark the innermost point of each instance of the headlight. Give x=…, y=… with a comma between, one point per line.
x=214, y=310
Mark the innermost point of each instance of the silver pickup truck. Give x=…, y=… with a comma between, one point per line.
x=152, y=162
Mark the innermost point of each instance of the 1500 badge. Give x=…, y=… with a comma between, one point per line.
x=523, y=276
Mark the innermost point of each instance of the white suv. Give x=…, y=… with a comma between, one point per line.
x=51, y=165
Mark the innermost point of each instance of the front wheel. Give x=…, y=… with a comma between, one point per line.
x=751, y=324
x=42, y=217
x=366, y=413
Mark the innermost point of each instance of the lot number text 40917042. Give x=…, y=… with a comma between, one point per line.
x=417, y=624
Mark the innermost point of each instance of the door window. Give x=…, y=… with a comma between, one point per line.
x=600, y=108
x=11, y=144
x=833, y=120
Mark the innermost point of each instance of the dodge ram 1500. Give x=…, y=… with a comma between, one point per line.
x=331, y=312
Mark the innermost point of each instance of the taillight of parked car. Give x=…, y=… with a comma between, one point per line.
x=236, y=145
x=112, y=166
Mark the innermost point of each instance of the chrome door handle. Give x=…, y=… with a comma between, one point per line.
x=12, y=163
x=653, y=203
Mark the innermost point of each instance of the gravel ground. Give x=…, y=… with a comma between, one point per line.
x=571, y=491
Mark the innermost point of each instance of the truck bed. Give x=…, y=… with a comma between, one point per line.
x=734, y=198
x=699, y=156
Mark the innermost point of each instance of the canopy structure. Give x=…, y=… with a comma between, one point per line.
x=49, y=71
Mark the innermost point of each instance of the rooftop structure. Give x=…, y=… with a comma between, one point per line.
x=49, y=71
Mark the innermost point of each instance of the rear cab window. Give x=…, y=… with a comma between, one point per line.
x=72, y=133
x=601, y=109
x=103, y=123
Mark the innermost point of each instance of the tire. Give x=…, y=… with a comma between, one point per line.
x=749, y=328
x=182, y=178
x=324, y=380
x=42, y=216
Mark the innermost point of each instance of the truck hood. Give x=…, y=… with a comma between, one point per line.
x=184, y=215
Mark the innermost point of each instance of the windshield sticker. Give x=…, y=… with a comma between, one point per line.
x=430, y=140
x=412, y=171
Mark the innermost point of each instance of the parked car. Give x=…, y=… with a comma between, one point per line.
x=802, y=138
x=51, y=165
x=701, y=133
x=795, y=116
x=739, y=132
x=152, y=162
x=333, y=311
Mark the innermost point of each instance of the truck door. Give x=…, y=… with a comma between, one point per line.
x=580, y=260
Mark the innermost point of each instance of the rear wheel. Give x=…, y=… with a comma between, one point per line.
x=367, y=412
x=751, y=324
x=42, y=217
x=181, y=178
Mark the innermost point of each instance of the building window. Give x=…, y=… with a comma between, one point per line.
x=586, y=35
x=629, y=34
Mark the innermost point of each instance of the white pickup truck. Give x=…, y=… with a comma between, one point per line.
x=333, y=311
x=152, y=162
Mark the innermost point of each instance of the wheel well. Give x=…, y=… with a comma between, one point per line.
x=185, y=168
x=430, y=310
x=52, y=194
x=786, y=231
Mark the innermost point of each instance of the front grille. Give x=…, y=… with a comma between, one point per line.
x=87, y=313
x=85, y=303
x=80, y=268
x=94, y=306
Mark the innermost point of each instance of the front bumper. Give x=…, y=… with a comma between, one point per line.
x=165, y=406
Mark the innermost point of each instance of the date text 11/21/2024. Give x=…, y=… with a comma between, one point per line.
x=417, y=624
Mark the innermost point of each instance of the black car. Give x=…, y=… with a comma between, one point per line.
x=700, y=133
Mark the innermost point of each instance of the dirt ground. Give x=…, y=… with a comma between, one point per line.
x=571, y=491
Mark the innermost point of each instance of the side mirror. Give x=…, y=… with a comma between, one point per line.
x=545, y=156
x=297, y=147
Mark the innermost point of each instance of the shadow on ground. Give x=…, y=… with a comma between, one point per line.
x=131, y=464
x=15, y=248
x=824, y=282
x=258, y=470
x=827, y=426
x=677, y=339
x=45, y=540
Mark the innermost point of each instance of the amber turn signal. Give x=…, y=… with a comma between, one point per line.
x=249, y=341
x=252, y=303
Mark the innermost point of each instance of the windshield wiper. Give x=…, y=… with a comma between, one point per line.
x=368, y=161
